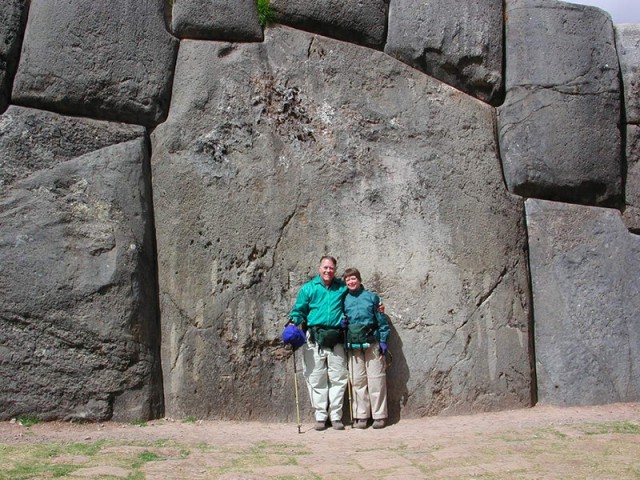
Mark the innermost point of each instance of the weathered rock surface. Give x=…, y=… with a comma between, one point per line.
x=559, y=127
x=628, y=45
x=459, y=43
x=33, y=140
x=276, y=153
x=106, y=59
x=631, y=214
x=232, y=20
x=13, y=14
x=586, y=303
x=78, y=297
x=628, y=48
x=355, y=21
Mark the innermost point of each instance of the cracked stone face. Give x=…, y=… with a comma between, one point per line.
x=78, y=310
x=586, y=304
x=274, y=154
x=565, y=74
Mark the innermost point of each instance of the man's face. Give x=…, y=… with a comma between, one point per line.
x=327, y=271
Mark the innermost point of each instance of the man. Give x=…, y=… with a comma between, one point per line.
x=319, y=310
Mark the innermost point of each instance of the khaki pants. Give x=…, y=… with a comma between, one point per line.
x=325, y=371
x=369, y=381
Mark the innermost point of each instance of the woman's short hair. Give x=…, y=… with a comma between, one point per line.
x=352, y=272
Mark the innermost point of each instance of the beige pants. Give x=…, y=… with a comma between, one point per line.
x=369, y=382
x=325, y=371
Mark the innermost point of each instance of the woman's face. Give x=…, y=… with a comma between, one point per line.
x=352, y=282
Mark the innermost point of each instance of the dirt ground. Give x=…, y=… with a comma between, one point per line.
x=543, y=442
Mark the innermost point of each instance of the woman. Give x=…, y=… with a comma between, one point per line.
x=367, y=334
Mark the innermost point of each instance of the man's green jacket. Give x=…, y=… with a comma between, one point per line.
x=319, y=305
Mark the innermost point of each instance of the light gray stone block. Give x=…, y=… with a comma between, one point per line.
x=33, y=140
x=231, y=20
x=586, y=299
x=106, y=59
x=631, y=213
x=559, y=126
x=302, y=146
x=628, y=47
x=78, y=310
x=354, y=21
x=458, y=42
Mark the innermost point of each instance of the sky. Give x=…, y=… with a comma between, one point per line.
x=622, y=11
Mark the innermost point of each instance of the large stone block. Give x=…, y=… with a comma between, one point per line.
x=631, y=213
x=459, y=42
x=232, y=20
x=355, y=21
x=13, y=15
x=106, y=59
x=33, y=140
x=78, y=299
x=586, y=298
x=628, y=47
x=276, y=153
x=559, y=127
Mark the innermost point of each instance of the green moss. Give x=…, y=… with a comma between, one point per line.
x=28, y=420
x=266, y=15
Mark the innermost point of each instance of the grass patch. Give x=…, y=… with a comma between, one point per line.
x=262, y=454
x=266, y=15
x=190, y=419
x=28, y=420
x=39, y=470
x=543, y=434
x=37, y=461
x=149, y=456
x=138, y=423
x=143, y=458
x=629, y=428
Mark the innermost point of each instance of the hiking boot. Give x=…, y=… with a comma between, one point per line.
x=378, y=423
x=337, y=425
x=320, y=425
x=361, y=424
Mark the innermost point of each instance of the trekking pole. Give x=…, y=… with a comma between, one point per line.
x=349, y=388
x=345, y=326
x=295, y=383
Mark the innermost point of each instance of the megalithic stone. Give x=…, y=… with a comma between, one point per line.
x=231, y=20
x=276, y=153
x=586, y=299
x=559, y=127
x=457, y=42
x=78, y=302
x=13, y=16
x=354, y=21
x=628, y=46
x=105, y=59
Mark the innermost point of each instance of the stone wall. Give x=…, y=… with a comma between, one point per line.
x=170, y=177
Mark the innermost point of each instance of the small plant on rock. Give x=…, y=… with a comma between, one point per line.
x=266, y=15
x=28, y=420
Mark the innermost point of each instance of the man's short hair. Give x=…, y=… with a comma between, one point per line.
x=329, y=257
x=352, y=272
